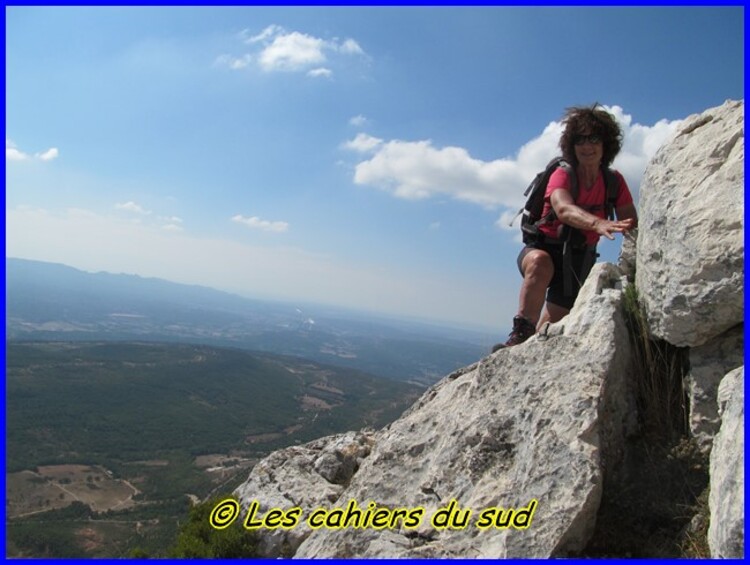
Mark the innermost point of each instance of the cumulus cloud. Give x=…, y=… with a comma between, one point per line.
x=418, y=169
x=267, y=33
x=351, y=47
x=277, y=49
x=234, y=63
x=264, y=225
x=133, y=208
x=321, y=72
x=292, y=51
x=363, y=143
x=48, y=155
x=358, y=121
x=13, y=153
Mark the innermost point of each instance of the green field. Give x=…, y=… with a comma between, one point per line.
x=106, y=442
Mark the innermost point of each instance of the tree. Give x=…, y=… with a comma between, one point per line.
x=197, y=538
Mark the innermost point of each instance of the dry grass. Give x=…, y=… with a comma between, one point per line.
x=656, y=506
x=660, y=375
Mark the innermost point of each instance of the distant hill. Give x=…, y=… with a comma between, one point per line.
x=46, y=301
x=95, y=402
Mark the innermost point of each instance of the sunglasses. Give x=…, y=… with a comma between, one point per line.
x=591, y=138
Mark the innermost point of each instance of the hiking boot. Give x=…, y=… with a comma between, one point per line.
x=523, y=329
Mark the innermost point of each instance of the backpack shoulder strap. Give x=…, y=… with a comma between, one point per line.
x=612, y=190
x=572, y=177
x=560, y=163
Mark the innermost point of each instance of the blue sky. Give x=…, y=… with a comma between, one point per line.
x=366, y=157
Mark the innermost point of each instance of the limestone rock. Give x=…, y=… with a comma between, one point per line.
x=304, y=476
x=690, y=254
x=709, y=363
x=626, y=261
x=541, y=422
x=727, y=497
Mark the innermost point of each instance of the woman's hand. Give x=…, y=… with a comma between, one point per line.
x=608, y=228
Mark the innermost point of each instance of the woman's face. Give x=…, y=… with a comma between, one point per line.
x=589, y=149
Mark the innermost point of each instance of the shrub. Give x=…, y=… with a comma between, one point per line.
x=197, y=538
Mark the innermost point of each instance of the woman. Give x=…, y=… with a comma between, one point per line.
x=590, y=142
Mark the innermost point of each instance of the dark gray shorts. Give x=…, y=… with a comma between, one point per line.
x=556, y=289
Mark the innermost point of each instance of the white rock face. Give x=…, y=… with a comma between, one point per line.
x=690, y=255
x=537, y=422
x=302, y=476
x=726, y=536
x=709, y=363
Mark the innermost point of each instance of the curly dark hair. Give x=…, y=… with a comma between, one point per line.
x=590, y=119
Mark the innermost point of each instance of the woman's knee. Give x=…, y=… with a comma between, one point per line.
x=538, y=264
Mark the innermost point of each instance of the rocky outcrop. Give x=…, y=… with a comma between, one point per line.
x=690, y=276
x=303, y=477
x=690, y=258
x=522, y=444
x=690, y=252
x=726, y=530
x=539, y=422
x=709, y=363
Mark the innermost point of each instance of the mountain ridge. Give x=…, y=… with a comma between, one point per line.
x=54, y=301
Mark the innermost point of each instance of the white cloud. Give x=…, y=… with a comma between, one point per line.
x=282, y=50
x=363, y=143
x=267, y=33
x=12, y=153
x=132, y=207
x=320, y=72
x=264, y=225
x=351, y=47
x=358, y=121
x=49, y=155
x=292, y=52
x=234, y=63
x=418, y=169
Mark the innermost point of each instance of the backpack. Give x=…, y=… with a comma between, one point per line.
x=531, y=213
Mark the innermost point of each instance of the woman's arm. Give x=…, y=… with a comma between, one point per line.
x=575, y=216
